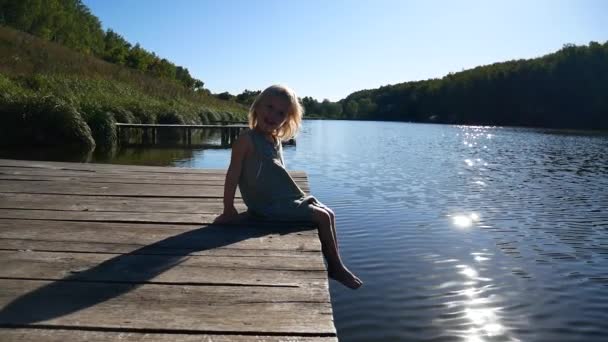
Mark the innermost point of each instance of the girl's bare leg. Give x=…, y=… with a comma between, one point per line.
x=333, y=224
x=332, y=216
x=336, y=268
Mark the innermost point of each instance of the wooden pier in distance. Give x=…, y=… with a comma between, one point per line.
x=229, y=132
x=98, y=252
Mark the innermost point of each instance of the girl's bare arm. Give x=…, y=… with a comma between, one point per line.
x=240, y=148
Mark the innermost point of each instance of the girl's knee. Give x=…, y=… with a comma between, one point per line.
x=331, y=213
x=325, y=208
x=320, y=216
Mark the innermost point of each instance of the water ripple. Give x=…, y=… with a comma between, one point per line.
x=466, y=233
x=462, y=233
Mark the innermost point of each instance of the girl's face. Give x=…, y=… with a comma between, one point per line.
x=272, y=113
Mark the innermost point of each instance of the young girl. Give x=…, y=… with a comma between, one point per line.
x=257, y=166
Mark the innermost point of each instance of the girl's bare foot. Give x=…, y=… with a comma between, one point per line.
x=345, y=277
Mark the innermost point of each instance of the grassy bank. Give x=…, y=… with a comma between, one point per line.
x=51, y=95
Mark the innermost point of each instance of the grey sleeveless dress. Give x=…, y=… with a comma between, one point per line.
x=267, y=189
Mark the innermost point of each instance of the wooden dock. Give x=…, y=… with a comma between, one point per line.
x=94, y=252
x=228, y=132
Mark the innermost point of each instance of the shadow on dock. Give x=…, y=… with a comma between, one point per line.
x=49, y=302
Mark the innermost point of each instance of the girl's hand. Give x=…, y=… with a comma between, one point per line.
x=229, y=215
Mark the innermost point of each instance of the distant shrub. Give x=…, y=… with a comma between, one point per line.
x=103, y=127
x=42, y=120
x=10, y=89
x=122, y=115
x=142, y=114
x=228, y=116
x=34, y=82
x=203, y=117
x=207, y=117
x=213, y=117
x=170, y=117
x=226, y=96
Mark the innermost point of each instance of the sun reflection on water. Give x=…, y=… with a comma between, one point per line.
x=478, y=306
x=480, y=258
x=465, y=221
x=468, y=271
x=475, y=304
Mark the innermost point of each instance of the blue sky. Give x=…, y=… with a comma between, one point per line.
x=328, y=49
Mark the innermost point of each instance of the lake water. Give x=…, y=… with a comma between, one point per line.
x=459, y=233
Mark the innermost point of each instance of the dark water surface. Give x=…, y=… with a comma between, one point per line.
x=460, y=233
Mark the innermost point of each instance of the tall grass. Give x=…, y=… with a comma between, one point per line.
x=42, y=120
x=40, y=80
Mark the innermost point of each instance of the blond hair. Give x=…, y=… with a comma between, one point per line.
x=294, y=117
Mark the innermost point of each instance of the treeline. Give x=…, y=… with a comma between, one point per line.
x=71, y=23
x=565, y=89
x=312, y=107
x=323, y=109
x=245, y=98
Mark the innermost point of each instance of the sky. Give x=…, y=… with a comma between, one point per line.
x=328, y=49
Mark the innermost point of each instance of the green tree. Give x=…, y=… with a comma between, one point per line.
x=366, y=108
x=247, y=97
x=225, y=96
x=162, y=68
x=351, y=109
x=311, y=106
x=138, y=58
x=116, y=48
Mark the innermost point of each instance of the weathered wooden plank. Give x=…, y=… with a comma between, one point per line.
x=62, y=335
x=122, y=180
x=115, y=268
x=128, y=238
x=185, y=269
x=20, y=171
x=172, y=307
x=41, y=172
x=109, y=216
x=103, y=180
x=113, y=189
x=130, y=190
x=163, y=269
x=101, y=247
x=111, y=203
x=58, y=335
x=90, y=167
